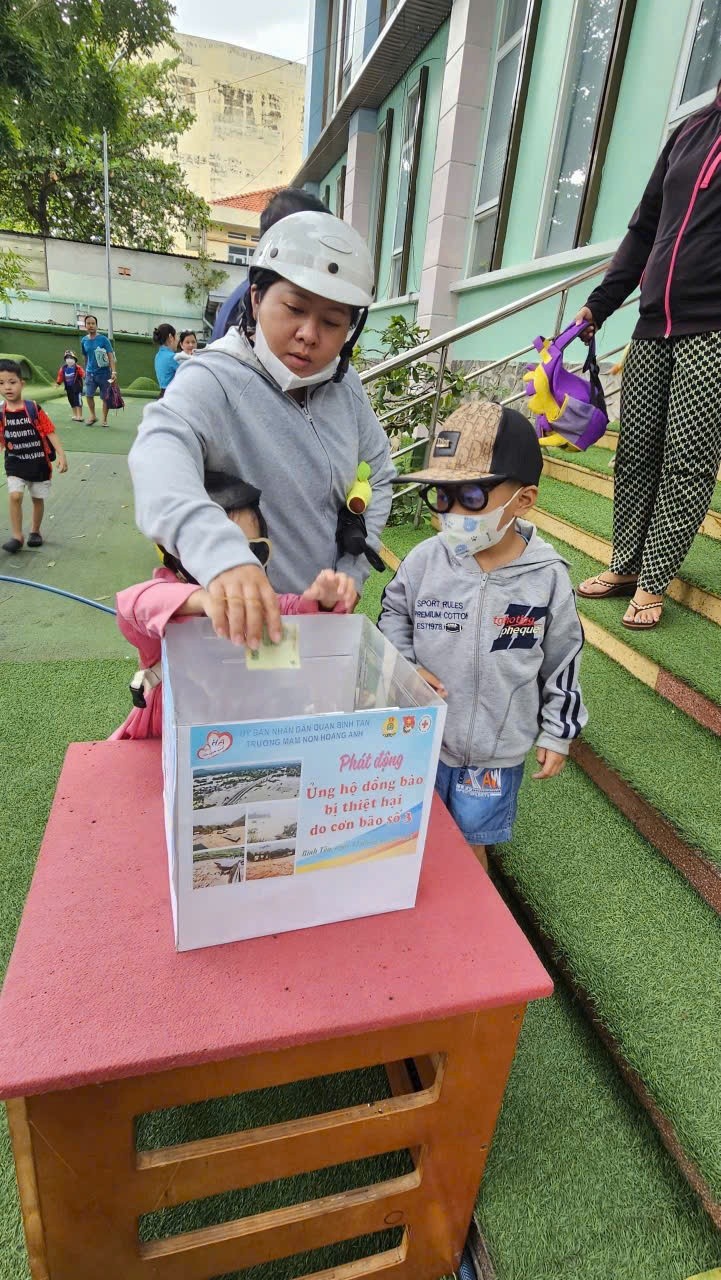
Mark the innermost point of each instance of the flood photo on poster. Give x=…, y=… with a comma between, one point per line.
x=215, y=786
x=219, y=835
x=270, y=822
x=212, y=868
x=265, y=861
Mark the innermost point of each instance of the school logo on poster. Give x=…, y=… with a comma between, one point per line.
x=520, y=627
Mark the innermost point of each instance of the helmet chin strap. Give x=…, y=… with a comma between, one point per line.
x=346, y=350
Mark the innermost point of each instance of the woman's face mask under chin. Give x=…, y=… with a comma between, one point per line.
x=286, y=379
x=466, y=535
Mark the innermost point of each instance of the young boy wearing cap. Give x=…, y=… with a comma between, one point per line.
x=486, y=611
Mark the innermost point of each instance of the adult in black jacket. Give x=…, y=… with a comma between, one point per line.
x=670, y=440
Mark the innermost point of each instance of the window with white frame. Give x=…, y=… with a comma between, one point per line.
x=346, y=50
x=502, y=98
x=379, y=189
x=408, y=170
x=699, y=69
x=587, y=59
x=340, y=192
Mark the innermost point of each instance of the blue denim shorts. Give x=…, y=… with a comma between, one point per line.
x=482, y=801
x=97, y=381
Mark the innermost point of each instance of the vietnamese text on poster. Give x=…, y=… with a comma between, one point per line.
x=281, y=798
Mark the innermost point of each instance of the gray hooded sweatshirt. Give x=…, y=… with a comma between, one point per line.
x=506, y=645
x=224, y=412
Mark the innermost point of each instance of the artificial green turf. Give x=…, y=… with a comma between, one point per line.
x=43, y=706
x=638, y=939
x=399, y=539
x=116, y=438
x=597, y=460
x=665, y=755
x=646, y=1228
x=590, y=511
x=92, y=548
x=577, y=1186
x=686, y=644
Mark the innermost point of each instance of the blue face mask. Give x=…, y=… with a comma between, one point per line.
x=466, y=535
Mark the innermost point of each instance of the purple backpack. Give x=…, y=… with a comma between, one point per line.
x=566, y=403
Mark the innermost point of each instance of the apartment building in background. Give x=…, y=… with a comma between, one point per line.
x=488, y=148
x=248, y=107
x=234, y=230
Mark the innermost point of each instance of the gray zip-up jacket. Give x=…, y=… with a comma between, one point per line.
x=506, y=645
x=224, y=412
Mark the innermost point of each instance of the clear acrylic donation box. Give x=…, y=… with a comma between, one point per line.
x=298, y=784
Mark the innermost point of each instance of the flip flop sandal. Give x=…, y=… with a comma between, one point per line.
x=612, y=589
x=632, y=625
x=90, y=422
x=13, y=545
x=35, y=540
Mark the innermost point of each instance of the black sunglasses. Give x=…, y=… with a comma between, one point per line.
x=472, y=494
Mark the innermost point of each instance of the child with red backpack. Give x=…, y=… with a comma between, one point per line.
x=71, y=375
x=31, y=445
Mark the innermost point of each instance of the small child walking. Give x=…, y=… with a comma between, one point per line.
x=30, y=443
x=145, y=611
x=71, y=376
x=487, y=613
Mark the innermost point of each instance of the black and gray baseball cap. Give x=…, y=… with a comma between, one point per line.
x=482, y=440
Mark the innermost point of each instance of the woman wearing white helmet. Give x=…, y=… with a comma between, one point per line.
x=275, y=402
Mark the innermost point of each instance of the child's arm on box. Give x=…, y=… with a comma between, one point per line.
x=331, y=592
x=563, y=713
x=145, y=610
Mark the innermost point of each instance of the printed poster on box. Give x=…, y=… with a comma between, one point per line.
x=291, y=822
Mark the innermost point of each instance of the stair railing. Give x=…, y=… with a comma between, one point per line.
x=442, y=344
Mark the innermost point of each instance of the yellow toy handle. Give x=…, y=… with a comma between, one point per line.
x=359, y=496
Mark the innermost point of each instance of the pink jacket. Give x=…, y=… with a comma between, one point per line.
x=144, y=612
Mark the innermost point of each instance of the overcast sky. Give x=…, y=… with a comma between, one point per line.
x=279, y=27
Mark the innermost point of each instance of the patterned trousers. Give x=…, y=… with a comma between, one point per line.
x=668, y=455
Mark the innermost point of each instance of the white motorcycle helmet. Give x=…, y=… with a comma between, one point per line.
x=324, y=255
x=319, y=253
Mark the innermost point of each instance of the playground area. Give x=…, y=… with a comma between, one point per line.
x=579, y=1185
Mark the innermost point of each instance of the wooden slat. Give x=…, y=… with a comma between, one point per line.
x=83, y=1149
x=194, y=1170
x=293, y=1229
x=21, y=1139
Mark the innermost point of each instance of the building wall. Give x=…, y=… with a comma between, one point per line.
x=434, y=58
x=147, y=287
x=636, y=138
x=637, y=134
x=249, y=117
x=331, y=180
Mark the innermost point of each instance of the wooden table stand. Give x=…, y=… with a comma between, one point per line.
x=115, y=1031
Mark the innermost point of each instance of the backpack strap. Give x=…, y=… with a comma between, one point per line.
x=569, y=335
x=598, y=397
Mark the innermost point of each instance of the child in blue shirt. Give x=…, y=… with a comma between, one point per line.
x=70, y=375
x=165, y=363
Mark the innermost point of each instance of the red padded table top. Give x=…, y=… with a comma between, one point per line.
x=95, y=990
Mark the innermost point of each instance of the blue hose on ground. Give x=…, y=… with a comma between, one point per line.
x=41, y=586
x=466, y=1270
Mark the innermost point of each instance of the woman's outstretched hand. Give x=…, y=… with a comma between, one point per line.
x=590, y=330
x=241, y=603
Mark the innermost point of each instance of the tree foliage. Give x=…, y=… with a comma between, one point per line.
x=86, y=63
x=14, y=276
x=205, y=274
